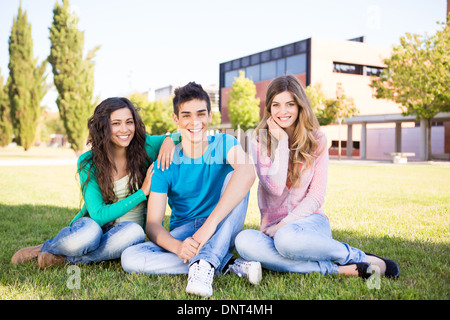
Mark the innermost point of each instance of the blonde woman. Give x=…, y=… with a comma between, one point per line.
x=291, y=159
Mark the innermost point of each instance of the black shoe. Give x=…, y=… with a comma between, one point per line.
x=364, y=270
x=392, y=268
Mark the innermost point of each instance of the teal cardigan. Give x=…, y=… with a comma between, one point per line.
x=95, y=206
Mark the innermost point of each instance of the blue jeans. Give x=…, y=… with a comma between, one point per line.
x=303, y=246
x=149, y=258
x=84, y=241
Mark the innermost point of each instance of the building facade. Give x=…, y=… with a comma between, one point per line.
x=377, y=129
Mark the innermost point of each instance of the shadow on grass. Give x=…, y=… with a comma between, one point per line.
x=424, y=269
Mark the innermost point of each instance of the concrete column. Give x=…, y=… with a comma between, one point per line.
x=423, y=139
x=363, y=143
x=349, y=140
x=398, y=136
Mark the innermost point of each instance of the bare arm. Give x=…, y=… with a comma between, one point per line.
x=159, y=235
x=237, y=188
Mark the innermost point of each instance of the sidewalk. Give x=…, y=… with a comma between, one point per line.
x=386, y=162
x=38, y=162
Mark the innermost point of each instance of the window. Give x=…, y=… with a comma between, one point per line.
x=276, y=53
x=268, y=70
x=347, y=68
x=236, y=64
x=245, y=61
x=300, y=47
x=281, y=67
x=229, y=77
x=288, y=50
x=227, y=66
x=296, y=64
x=373, y=71
x=254, y=59
x=265, y=56
x=253, y=73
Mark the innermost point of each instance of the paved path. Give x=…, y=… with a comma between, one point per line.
x=73, y=161
x=39, y=162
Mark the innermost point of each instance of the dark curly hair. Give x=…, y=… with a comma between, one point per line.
x=101, y=156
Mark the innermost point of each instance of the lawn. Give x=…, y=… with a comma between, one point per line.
x=397, y=211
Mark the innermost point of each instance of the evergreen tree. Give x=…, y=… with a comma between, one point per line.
x=26, y=82
x=73, y=76
x=5, y=116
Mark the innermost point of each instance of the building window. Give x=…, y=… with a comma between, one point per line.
x=265, y=56
x=373, y=71
x=356, y=69
x=254, y=59
x=229, y=77
x=253, y=73
x=347, y=68
x=227, y=66
x=300, y=47
x=296, y=64
x=268, y=70
x=288, y=50
x=281, y=67
x=276, y=53
x=245, y=61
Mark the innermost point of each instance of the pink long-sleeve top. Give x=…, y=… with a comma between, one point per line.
x=276, y=199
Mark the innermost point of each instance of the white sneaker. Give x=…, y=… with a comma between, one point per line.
x=250, y=269
x=200, y=279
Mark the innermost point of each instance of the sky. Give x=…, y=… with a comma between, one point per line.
x=149, y=44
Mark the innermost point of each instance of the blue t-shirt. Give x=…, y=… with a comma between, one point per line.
x=193, y=185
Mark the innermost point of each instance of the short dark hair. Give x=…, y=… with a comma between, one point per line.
x=190, y=92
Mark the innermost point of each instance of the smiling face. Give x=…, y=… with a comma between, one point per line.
x=193, y=120
x=284, y=110
x=122, y=127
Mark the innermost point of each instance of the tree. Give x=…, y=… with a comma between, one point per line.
x=5, y=116
x=344, y=107
x=322, y=106
x=26, y=82
x=216, y=117
x=328, y=110
x=243, y=106
x=417, y=76
x=156, y=115
x=73, y=76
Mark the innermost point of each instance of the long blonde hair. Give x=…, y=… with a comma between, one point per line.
x=303, y=144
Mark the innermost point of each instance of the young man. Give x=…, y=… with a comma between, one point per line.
x=207, y=187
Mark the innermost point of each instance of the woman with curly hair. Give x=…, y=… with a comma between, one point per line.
x=291, y=158
x=115, y=177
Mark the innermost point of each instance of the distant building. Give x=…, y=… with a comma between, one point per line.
x=379, y=128
x=167, y=92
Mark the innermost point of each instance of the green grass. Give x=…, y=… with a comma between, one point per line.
x=397, y=211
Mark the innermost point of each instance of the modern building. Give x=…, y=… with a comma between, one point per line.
x=379, y=128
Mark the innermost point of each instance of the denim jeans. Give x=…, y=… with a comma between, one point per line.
x=149, y=258
x=303, y=246
x=84, y=241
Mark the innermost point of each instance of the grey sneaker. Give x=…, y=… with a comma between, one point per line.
x=250, y=269
x=200, y=279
